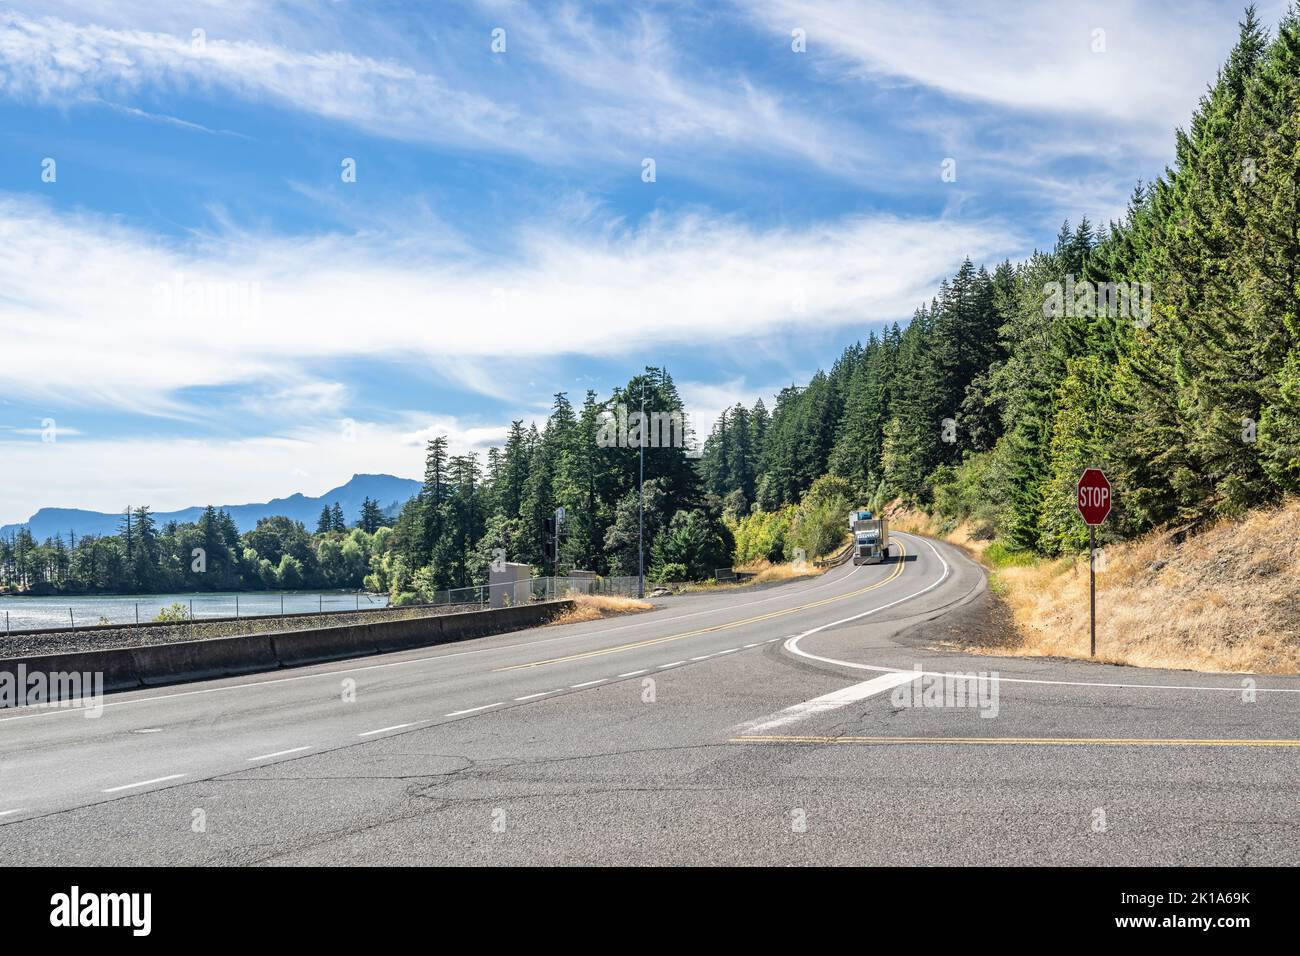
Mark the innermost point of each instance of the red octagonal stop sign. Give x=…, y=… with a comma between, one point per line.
x=1094, y=497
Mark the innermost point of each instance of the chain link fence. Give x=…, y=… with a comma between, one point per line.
x=23, y=614
x=551, y=588
x=174, y=617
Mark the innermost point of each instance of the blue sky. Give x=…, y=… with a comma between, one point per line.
x=197, y=307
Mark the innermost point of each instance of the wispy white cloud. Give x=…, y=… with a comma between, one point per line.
x=169, y=120
x=706, y=401
x=292, y=401
x=53, y=61
x=639, y=90
x=152, y=319
x=578, y=90
x=1141, y=74
x=54, y=430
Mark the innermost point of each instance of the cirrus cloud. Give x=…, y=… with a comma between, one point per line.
x=153, y=318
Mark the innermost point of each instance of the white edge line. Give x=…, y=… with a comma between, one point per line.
x=143, y=783
x=6, y=813
x=673, y=664
x=535, y=696
x=792, y=645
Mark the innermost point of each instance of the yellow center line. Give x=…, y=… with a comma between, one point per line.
x=902, y=555
x=1022, y=741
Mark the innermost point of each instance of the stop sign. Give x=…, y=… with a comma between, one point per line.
x=1094, y=496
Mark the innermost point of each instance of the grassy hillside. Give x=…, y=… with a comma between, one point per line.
x=1222, y=597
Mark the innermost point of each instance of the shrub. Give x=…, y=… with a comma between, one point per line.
x=998, y=555
x=761, y=536
x=672, y=571
x=821, y=521
x=693, y=540
x=175, y=613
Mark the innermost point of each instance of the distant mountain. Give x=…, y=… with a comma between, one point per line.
x=390, y=492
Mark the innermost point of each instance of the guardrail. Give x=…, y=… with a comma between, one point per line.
x=838, y=557
x=731, y=575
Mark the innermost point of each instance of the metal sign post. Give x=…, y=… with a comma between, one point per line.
x=1092, y=591
x=1093, y=499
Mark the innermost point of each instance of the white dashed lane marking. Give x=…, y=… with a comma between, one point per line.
x=144, y=783
x=384, y=730
x=471, y=710
x=278, y=753
x=455, y=713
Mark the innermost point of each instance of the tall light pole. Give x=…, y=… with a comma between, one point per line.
x=640, y=520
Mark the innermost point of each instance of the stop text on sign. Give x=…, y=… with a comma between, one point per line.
x=1094, y=497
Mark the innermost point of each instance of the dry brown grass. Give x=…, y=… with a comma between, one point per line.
x=593, y=607
x=918, y=522
x=765, y=571
x=1226, y=599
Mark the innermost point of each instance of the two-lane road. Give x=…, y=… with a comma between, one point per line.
x=756, y=726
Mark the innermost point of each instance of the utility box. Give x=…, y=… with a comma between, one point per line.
x=510, y=586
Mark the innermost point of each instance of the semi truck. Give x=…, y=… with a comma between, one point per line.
x=870, y=537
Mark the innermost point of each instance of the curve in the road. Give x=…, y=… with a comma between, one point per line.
x=792, y=646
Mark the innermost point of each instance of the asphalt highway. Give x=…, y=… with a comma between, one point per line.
x=810, y=722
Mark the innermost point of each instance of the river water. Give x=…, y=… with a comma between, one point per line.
x=24, y=613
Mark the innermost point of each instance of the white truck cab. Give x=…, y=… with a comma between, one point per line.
x=870, y=537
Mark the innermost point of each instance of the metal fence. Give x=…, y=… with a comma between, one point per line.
x=551, y=588
x=23, y=615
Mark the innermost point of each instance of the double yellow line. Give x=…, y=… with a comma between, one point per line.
x=902, y=556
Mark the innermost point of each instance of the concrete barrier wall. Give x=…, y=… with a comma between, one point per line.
x=125, y=668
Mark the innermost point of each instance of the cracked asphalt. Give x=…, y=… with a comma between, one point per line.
x=693, y=734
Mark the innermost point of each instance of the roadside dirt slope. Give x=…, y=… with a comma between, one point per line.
x=1224, y=599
